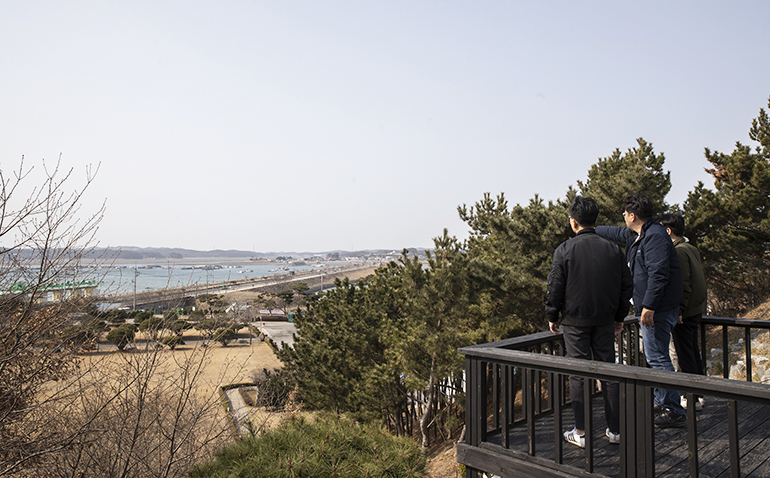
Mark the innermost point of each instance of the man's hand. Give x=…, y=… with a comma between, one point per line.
x=681, y=320
x=554, y=327
x=646, y=318
x=618, y=328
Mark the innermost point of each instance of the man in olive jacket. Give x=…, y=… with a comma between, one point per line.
x=693, y=305
x=589, y=286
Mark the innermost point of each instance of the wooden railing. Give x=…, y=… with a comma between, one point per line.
x=513, y=383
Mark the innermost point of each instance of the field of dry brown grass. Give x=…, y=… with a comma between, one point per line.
x=235, y=363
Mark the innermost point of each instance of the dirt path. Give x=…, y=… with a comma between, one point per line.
x=238, y=410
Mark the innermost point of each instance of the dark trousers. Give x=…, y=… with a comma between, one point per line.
x=592, y=343
x=685, y=337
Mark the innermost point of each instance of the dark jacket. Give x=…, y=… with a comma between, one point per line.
x=654, y=265
x=589, y=283
x=693, y=280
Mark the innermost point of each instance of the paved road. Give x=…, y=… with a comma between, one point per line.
x=278, y=331
x=303, y=276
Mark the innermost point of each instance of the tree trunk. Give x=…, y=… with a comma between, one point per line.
x=425, y=420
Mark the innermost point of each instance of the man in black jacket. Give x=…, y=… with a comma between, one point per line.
x=589, y=286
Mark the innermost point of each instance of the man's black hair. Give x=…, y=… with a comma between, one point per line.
x=641, y=206
x=584, y=211
x=675, y=222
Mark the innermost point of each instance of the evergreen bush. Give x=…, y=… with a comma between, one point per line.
x=327, y=446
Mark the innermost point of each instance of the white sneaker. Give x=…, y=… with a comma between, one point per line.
x=698, y=404
x=614, y=437
x=573, y=437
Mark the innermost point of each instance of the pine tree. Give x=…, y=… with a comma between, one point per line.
x=731, y=224
x=338, y=347
x=509, y=256
x=639, y=171
x=438, y=319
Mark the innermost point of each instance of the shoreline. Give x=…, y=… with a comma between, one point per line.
x=187, y=261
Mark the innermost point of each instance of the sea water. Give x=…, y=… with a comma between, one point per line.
x=123, y=279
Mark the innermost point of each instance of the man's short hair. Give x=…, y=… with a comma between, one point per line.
x=584, y=211
x=675, y=222
x=640, y=206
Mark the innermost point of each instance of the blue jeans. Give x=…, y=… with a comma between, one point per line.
x=656, y=341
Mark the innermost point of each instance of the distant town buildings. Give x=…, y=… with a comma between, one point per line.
x=56, y=292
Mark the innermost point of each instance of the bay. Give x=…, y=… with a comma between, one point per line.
x=153, y=276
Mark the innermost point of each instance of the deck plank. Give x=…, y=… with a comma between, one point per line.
x=671, y=448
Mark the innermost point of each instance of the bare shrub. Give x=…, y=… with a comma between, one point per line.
x=143, y=415
x=274, y=390
x=42, y=242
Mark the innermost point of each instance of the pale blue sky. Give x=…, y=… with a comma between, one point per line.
x=320, y=125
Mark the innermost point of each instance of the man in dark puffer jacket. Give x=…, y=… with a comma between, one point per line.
x=657, y=280
x=589, y=285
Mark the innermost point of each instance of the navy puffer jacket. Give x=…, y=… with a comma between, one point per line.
x=654, y=265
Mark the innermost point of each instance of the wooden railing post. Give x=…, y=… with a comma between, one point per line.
x=703, y=348
x=692, y=435
x=588, y=386
x=648, y=424
x=507, y=406
x=495, y=396
x=556, y=391
x=725, y=354
x=747, y=338
x=472, y=404
x=627, y=429
x=528, y=397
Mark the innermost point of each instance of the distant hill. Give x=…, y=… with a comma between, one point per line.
x=143, y=253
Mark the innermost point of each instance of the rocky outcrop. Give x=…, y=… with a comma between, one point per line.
x=760, y=359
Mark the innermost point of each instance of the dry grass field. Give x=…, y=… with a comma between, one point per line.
x=235, y=363
x=149, y=409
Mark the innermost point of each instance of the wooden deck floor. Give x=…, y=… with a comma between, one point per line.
x=671, y=451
